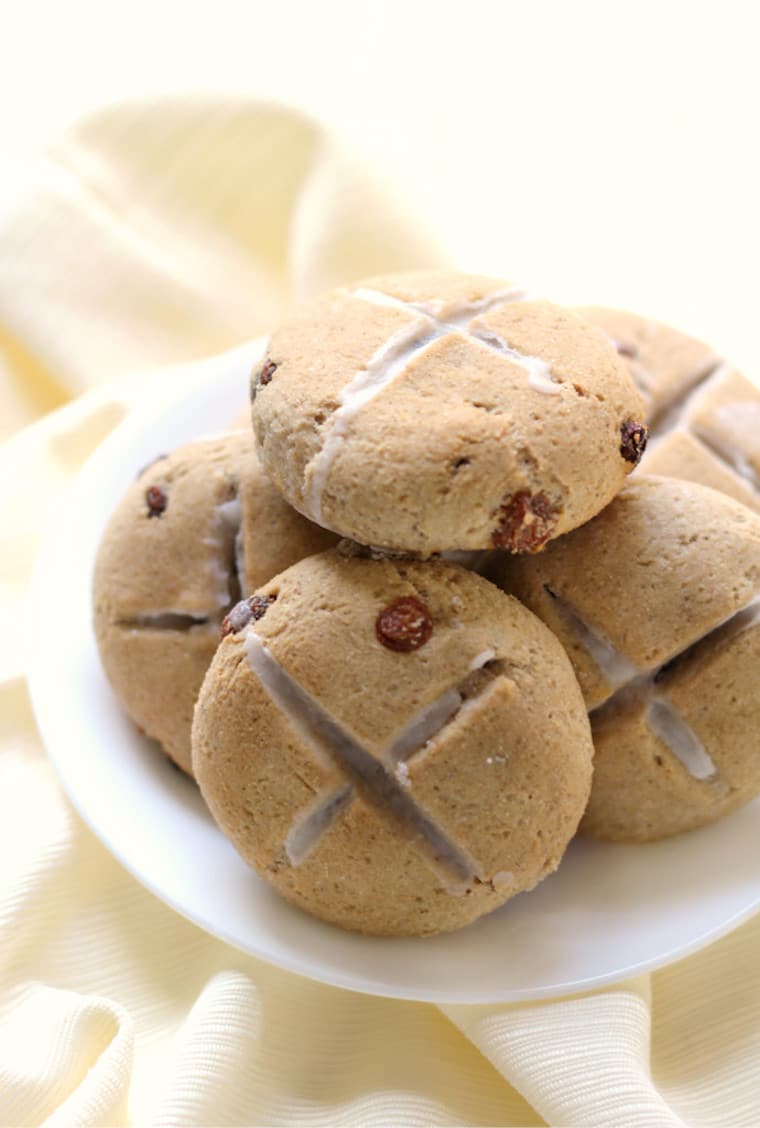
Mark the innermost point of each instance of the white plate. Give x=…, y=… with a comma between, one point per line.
x=608, y=913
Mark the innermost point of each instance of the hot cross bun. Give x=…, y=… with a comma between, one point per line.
x=198, y=528
x=657, y=602
x=665, y=363
x=433, y=411
x=395, y=746
x=715, y=438
x=704, y=415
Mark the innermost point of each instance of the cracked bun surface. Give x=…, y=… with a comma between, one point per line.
x=199, y=528
x=432, y=411
x=394, y=745
x=657, y=602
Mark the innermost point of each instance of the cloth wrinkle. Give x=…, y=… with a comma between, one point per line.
x=150, y=236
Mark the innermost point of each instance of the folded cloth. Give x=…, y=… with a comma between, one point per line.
x=153, y=234
x=157, y=233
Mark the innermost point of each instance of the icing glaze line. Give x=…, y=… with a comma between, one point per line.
x=664, y=720
x=226, y=538
x=383, y=367
x=616, y=669
x=455, y=314
x=452, y=864
x=430, y=721
x=673, y=414
x=433, y=320
x=671, y=729
x=307, y=830
x=730, y=455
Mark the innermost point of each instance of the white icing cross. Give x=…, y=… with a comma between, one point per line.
x=663, y=718
x=743, y=417
x=433, y=320
x=647, y=381
x=616, y=669
x=385, y=779
x=673, y=414
x=227, y=526
x=227, y=568
x=671, y=729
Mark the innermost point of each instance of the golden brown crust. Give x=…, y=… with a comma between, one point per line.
x=704, y=414
x=630, y=596
x=663, y=362
x=519, y=399
x=681, y=455
x=170, y=550
x=642, y=791
x=662, y=565
x=505, y=777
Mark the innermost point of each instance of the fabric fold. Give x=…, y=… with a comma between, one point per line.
x=65, y=1059
x=161, y=232
x=584, y=1060
x=154, y=233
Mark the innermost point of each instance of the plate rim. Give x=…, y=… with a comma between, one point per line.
x=174, y=383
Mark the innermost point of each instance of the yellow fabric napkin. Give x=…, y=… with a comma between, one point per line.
x=152, y=234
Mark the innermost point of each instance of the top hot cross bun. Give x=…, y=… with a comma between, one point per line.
x=431, y=411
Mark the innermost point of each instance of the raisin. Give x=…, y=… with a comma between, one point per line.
x=633, y=441
x=526, y=522
x=262, y=376
x=247, y=611
x=404, y=625
x=267, y=372
x=156, y=501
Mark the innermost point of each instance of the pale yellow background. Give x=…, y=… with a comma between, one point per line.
x=600, y=151
x=608, y=150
